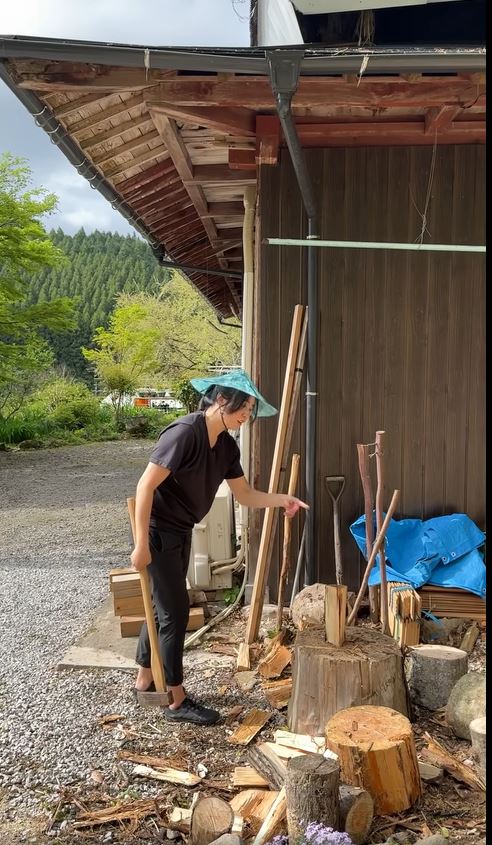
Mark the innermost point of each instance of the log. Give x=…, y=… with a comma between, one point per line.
x=356, y=812
x=478, y=740
x=376, y=750
x=432, y=671
x=311, y=788
x=211, y=818
x=368, y=669
x=335, y=614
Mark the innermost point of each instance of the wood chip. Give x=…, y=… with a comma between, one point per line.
x=248, y=776
x=168, y=775
x=278, y=693
x=251, y=725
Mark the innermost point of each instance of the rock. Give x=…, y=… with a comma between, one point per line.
x=432, y=671
x=402, y=837
x=228, y=839
x=430, y=773
x=309, y=604
x=466, y=702
x=30, y=444
x=246, y=679
x=444, y=631
x=435, y=839
x=478, y=740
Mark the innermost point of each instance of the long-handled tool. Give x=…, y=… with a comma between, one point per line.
x=160, y=697
x=335, y=497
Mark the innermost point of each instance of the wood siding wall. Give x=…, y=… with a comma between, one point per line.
x=401, y=334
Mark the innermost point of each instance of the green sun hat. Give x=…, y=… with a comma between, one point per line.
x=238, y=380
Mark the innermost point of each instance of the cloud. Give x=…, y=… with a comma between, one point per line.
x=155, y=22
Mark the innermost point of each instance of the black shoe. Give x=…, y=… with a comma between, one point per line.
x=150, y=688
x=191, y=711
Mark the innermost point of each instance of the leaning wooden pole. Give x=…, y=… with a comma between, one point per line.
x=253, y=624
x=294, y=473
x=379, y=523
x=365, y=477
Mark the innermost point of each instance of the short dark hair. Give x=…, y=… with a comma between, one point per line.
x=235, y=399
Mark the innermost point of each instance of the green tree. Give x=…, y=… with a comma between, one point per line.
x=25, y=249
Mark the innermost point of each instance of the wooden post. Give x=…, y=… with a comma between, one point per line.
x=379, y=523
x=253, y=624
x=335, y=613
x=377, y=545
x=211, y=818
x=155, y=657
x=311, y=788
x=365, y=476
x=294, y=472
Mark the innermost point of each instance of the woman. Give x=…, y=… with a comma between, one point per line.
x=190, y=460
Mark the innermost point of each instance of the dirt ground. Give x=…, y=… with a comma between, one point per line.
x=88, y=486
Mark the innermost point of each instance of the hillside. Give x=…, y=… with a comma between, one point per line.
x=98, y=267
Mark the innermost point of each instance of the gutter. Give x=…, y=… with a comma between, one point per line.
x=284, y=70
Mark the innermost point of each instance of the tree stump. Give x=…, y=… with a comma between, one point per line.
x=356, y=812
x=211, y=818
x=376, y=750
x=367, y=669
x=311, y=787
x=432, y=671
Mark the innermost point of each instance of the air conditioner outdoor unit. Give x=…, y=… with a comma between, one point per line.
x=213, y=539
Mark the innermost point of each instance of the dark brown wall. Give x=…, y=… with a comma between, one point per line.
x=401, y=334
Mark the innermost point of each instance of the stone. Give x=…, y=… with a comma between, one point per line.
x=478, y=741
x=246, y=680
x=432, y=671
x=309, y=604
x=466, y=702
x=434, y=839
x=402, y=837
x=430, y=773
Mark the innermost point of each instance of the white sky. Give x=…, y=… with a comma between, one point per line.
x=201, y=23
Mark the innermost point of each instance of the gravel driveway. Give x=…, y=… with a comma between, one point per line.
x=63, y=527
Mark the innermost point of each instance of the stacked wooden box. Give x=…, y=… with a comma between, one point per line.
x=124, y=585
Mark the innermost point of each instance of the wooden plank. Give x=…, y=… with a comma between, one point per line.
x=335, y=613
x=277, y=692
x=301, y=742
x=242, y=159
x=254, y=617
x=252, y=723
x=275, y=816
x=167, y=774
x=40, y=75
x=211, y=174
x=384, y=133
x=256, y=93
x=226, y=209
x=247, y=776
x=267, y=139
x=439, y=117
x=233, y=121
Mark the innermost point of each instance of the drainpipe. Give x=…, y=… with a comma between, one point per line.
x=284, y=69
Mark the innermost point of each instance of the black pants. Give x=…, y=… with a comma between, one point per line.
x=167, y=574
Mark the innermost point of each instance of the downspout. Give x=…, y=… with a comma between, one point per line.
x=284, y=69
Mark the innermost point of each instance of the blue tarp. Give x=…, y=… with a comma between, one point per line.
x=441, y=551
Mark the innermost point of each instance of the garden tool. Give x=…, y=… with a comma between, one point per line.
x=338, y=480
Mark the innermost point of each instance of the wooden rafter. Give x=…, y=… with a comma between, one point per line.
x=115, y=131
x=440, y=118
x=86, y=100
x=94, y=120
x=136, y=161
x=233, y=121
x=381, y=92
x=176, y=215
x=69, y=76
x=147, y=176
x=165, y=201
x=128, y=146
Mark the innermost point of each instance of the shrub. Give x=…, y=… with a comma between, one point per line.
x=75, y=414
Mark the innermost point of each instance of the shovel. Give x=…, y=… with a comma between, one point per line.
x=339, y=481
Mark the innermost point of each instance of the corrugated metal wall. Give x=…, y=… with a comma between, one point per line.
x=402, y=335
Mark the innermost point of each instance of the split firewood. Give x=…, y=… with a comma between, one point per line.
x=302, y=742
x=211, y=817
x=243, y=658
x=248, y=776
x=126, y=811
x=356, y=812
x=253, y=805
x=278, y=692
x=250, y=726
x=268, y=763
x=155, y=762
x=468, y=642
x=180, y=816
x=169, y=775
x=275, y=662
x=284, y=752
x=273, y=821
x=438, y=754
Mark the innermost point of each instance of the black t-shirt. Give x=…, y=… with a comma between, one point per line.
x=197, y=470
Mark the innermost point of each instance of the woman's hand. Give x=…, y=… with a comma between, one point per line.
x=291, y=504
x=140, y=557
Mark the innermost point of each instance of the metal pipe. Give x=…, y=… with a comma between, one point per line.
x=374, y=245
x=284, y=68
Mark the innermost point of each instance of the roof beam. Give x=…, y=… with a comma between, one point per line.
x=242, y=160
x=219, y=173
x=256, y=93
x=439, y=118
x=384, y=134
x=77, y=76
x=226, y=209
x=232, y=121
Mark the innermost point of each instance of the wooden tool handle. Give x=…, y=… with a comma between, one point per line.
x=294, y=472
x=155, y=658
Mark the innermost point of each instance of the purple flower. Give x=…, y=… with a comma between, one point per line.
x=280, y=839
x=319, y=834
